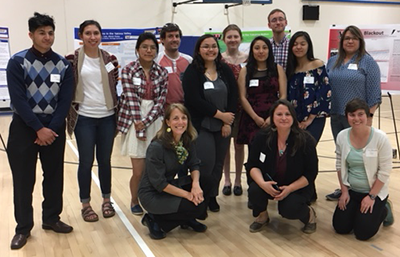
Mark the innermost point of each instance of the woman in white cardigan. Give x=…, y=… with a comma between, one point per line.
x=363, y=163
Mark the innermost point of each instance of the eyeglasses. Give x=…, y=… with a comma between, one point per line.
x=208, y=47
x=351, y=38
x=280, y=19
x=146, y=47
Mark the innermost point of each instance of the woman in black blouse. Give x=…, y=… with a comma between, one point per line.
x=211, y=98
x=282, y=166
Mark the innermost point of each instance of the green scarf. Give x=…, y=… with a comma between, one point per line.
x=181, y=152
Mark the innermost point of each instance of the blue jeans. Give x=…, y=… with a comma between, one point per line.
x=338, y=123
x=316, y=128
x=91, y=134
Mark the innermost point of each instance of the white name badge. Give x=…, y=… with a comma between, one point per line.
x=109, y=67
x=136, y=81
x=353, y=66
x=253, y=83
x=308, y=80
x=242, y=64
x=262, y=157
x=371, y=153
x=169, y=69
x=208, y=85
x=55, y=78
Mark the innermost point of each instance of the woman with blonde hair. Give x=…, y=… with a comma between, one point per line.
x=235, y=59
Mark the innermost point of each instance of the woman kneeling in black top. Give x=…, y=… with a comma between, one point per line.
x=283, y=165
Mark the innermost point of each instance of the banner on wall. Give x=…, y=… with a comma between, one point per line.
x=248, y=35
x=382, y=42
x=4, y=57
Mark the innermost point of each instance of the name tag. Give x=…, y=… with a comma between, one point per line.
x=55, y=78
x=169, y=69
x=136, y=81
x=352, y=66
x=109, y=67
x=308, y=80
x=242, y=64
x=208, y=85
x=253, y=83
x=371, y=153
x=262, y=157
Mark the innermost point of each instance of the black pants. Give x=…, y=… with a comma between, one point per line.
x=211, y=149
x=365, y=225
x=293, y=207
x=22, y=156
x=187, y=211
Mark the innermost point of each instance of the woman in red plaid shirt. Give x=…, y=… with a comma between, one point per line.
x=144, y=88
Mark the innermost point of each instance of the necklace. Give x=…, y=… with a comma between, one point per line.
x=282, y=150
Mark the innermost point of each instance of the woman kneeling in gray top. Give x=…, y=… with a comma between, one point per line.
x=171, y=202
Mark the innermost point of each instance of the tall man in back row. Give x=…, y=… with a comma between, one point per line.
x=174, y=61
x=277, y=22
x=40, y=83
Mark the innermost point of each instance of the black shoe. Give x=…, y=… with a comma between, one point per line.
x=227, y=190
x=213, y=205
x=237, y=190
x=19, y=240
x=154, y=229
x=195, y=225
x=59, y=227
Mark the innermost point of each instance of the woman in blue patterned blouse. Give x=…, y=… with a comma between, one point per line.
x=353, y=74
x=308, y=85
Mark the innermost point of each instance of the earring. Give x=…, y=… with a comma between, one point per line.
x=168, y=129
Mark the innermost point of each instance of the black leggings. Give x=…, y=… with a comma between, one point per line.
x=293, y=207
x=187, y=211
x=365, y=225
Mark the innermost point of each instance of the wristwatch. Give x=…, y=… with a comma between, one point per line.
x=372, y=196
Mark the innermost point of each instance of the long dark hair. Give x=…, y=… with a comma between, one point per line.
x=292, y=60
x=198, y=61
x=252, y=63
x=166, y=138
x=298, y=134
x=361, y=50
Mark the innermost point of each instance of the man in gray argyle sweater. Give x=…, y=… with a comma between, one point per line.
x=40, y=83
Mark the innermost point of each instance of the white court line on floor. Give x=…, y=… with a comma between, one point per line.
x=139, y=240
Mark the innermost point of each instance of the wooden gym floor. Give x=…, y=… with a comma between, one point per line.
x=228, y=231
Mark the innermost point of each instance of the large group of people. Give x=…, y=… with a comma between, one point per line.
x=176, y=116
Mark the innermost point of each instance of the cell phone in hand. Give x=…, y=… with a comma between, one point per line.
x=274, y=186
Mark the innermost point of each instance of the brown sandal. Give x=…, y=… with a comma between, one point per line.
x=107, y=209
x=89, y=215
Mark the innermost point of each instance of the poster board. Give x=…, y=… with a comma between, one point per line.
x=4, y=57
x=382, y=42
